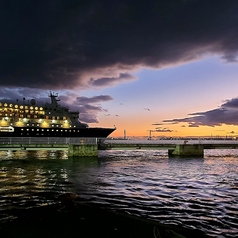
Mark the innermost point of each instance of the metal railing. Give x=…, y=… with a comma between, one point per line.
x=48, y=140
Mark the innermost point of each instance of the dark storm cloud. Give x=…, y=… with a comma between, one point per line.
x=95, y=99
x=111, y=81
x=61, y=44
x=160, y=129
x=226, y=114
x=90, y=107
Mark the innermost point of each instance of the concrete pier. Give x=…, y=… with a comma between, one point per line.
x=82, y=150
x=187, y=150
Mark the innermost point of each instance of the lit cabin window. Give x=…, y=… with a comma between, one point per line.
x=27, y=129
x=5, y=105
x=21, y=107
x=36, y=108
x=31, y=108
x=37, y=124
x=41, y=108
x=9, y=105
x=16, y=106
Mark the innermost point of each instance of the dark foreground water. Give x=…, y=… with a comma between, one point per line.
x=199, y=193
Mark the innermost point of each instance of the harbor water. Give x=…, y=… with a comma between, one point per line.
x=199, y=193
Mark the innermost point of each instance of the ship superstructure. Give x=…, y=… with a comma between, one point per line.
x=51, y=119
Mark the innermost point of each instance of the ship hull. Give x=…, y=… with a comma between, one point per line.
x=49, y=132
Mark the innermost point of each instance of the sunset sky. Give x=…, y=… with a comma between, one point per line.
x=169, y=66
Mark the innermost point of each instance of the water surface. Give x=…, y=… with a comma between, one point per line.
x=199, y=193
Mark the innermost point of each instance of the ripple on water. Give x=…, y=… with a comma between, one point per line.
x=195, y=193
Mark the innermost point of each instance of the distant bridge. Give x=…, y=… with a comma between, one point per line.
x=164, y=146
x=182, y=148
x=90, y=146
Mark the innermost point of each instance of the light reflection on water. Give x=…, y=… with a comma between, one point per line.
x=192, y=192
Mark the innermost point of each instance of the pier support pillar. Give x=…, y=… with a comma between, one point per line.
x=82, y=150
x=187, y=150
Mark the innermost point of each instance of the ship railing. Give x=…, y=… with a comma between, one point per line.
x=49, y=140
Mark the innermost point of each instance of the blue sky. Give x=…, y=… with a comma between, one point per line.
x=172, y=92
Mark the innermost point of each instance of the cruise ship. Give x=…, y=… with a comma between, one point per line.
x=28, y=119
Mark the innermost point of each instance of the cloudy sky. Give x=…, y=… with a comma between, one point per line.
x=165, y=66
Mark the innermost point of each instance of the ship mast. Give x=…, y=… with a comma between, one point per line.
x=54, y=100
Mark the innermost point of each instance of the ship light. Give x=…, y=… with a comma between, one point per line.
x=6, y=118
x=53, y=121
x=40, y=120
